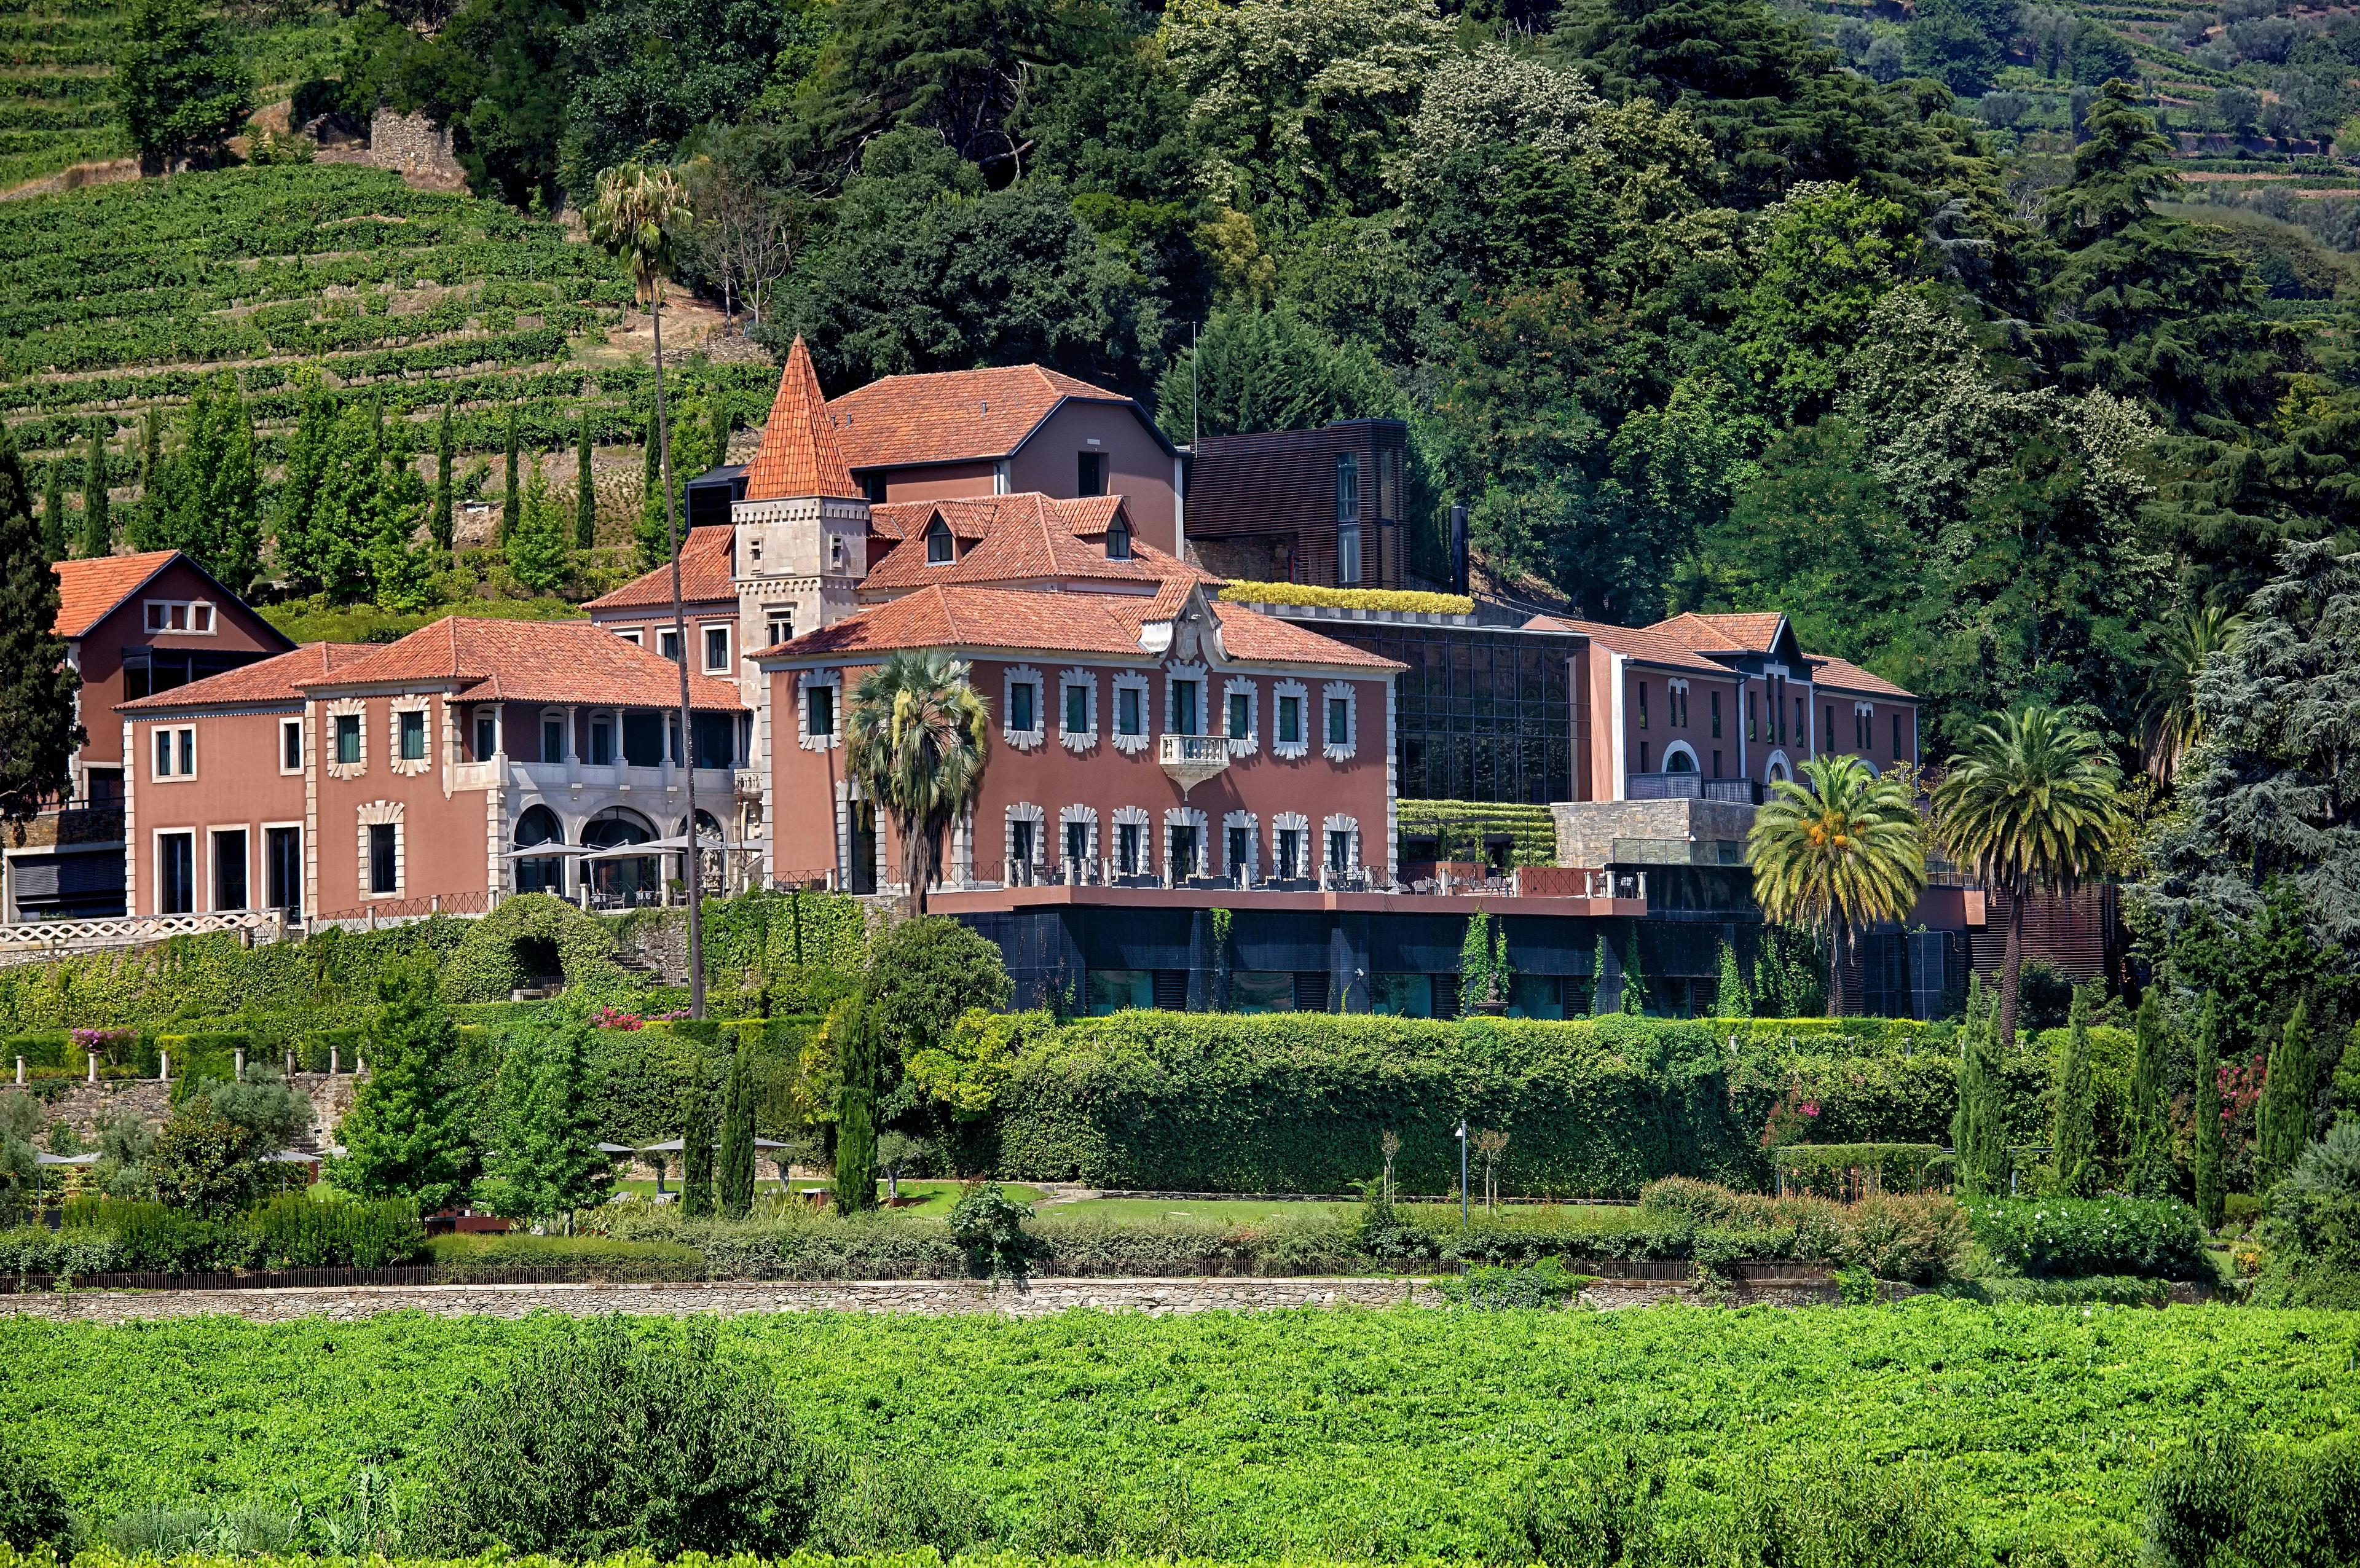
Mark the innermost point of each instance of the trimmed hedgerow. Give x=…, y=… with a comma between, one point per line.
x=2071, y=1237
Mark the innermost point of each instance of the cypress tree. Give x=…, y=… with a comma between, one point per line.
x=652, y=537
x=150, y=521
x=696, y=1146
x=406, y=1136
x=537, y=545
x=737, y=1128
x=510, y=497
x=1729, y=1000
x=2208, y=1193
x=37, y=732
x=97, y=530
x=585, y=493
x=2150, y=1174
x=854, y=1029
x=720, y=424
x=2284, y=1115
x=440, y=522
x=1978, y=1134
x=2073, y=1136
x=53, y=511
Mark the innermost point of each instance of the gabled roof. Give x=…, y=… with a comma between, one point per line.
x=277, y=679
x=1749, y=632
x=1842, y=675
x=89, y=591
x=530, y=661
x=1021, y=538
x=967, y=618
x=958, y=416
x=800, y=453
x=704, y=565
x=1649, y=646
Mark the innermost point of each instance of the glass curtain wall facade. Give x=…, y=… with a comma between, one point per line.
x=1481, y=714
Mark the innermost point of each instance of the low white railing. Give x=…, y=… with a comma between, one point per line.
x=42, y=939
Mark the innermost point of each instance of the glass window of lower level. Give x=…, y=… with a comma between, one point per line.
x=1113, y=990
x=1262, y=991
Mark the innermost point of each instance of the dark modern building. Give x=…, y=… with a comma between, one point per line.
x=1322, y=507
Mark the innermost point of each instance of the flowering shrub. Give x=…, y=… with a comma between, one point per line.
x=610, y=1018
x=1791, y=1119
x=107, y=1042
x=2069, y=1236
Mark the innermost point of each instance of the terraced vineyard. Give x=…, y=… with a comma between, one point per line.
x=55, y=57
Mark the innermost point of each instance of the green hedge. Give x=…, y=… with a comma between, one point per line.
x=1462, y=825
x=2065, y=1237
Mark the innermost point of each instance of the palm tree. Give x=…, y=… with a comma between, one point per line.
x=633, y=215
x=1842, y=852
x=2028, y=805
x=915, y=740
x=2173, y=725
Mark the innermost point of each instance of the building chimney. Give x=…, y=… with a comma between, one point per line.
x=1458, y=548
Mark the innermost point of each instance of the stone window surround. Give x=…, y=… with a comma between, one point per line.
x=1253, y=842
x=1189, y=817
x=1133, y=817
x=804, y=682
x=341, y=708
x=1241, y=685
x=1131, y=745
x=1011, y=678
x=408, y=767
x=180, y=752
x=1023, y=811
x=1300, y=747
x=1332, y=691
x=1350, y=825
x=1078, y=741
x=383, y=813
x=1297, y=822
x=1088, y=816
x=1173, y=675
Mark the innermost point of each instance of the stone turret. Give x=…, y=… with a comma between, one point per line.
x=803, y=526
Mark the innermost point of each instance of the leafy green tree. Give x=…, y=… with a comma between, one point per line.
x=39, y=729
x=737, y=1177
x=308, y=556
x=924, y=974
x=498, y=72
x=914, y=738
x=2074, y=1140
x=2283, y=1119
x=179, y=87
x=644, y=74
x=2173, y=725
x=585, y=493
x=441, y=525
x=537, y=547
x=406, y=1135
x=2030, y=805
x=1831, y=253
x=2099, y=55
x=1978, y=1129
x=1948, y=41
x=542, y=1159
x=2150, y=1173
x=1268, y=370
x=97, y=530
x=2209, y=1191
x=856, y=1039
x=351, y=507
x=1598, y=973
x=511, y=497
x=696, y=1129
x=54, y=534
x=1839, y=851
x=148, y=518
x=211, y=501
x=211, y=1156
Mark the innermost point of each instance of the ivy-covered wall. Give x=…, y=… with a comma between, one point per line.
x=1461, y=826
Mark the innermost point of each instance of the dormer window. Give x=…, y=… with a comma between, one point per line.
x=939, y=548
x=1118, y=541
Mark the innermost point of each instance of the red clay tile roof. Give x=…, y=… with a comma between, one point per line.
x=87, y=590
x=1020, y=539
x=800, y=453
x=973, y=619
x=275, y=679
x=531, y=661
x=1842, y=675
x=1648, y=645
x=1750, y=632
x=954, y=416
x=704, y=575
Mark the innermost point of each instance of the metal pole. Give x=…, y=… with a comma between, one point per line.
x=680, y=636
x=1462, y=1173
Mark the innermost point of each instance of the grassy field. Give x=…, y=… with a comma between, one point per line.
x=1391, y=1435
x=936, y=1198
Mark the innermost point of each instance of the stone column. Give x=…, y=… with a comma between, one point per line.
x=163, y=1067
x=93, y=1065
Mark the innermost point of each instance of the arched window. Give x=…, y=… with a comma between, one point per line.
x=1118, y=541
x=1679, y=758
x=539, y=825
x=939, y=546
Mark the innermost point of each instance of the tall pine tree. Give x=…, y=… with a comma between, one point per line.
x=1978, y=1132
x=854, y=1032
x=696, y=1144
x=440, y=522
x=2074, y=1137
x=651, y=536
x=97, y=527
x=2283, y=1118
x=511, y=498
x=54, y=532
x=737, y=1177
x=2150, y=1173
x=38, y=731
x=2210, y=1193
x=406, y=1136
x=585, y=493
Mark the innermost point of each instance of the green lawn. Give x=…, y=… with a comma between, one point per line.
x=1394, y=1435
x=939, y=1196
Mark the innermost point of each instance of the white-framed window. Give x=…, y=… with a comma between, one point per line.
x=173, y=753
x=1290, y=720
x=1184, y=700
x=781, y=624
x=631, y=635
x=290, y=745
x=1290, y=854
x=717, y=648
x=1077, y=710
x=1240, y=845
x=176, y=872
x=408, y=747
x=384, y=868
x=820, y=716
x=1022, y=723
x=1130, y=716
x=1077, y=836
x=668, y=643
x=1339, y=840
x=1185, y=853
x=230, y=870
x=940, y=549
x=1340, y=729
x=181, y=617
x=1026, y=840
x=488, y=734
x=1133, y=849
x=1240, y=715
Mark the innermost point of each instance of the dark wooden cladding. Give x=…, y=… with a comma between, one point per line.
x=1271, y=498
x=2081, y=936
